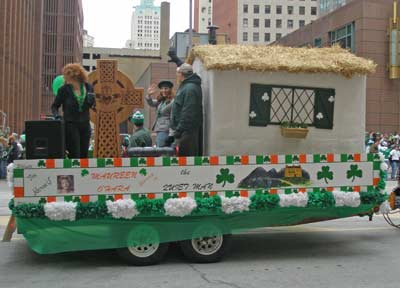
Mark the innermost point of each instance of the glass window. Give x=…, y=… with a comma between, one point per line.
x=245, y=22
x=278, y=9
x=256, y=9
x=245, y=8
x=344, y=37
x=313, y=10
x=256, y=23
x=302, y=23
x=256, y=37
x=267, y=23
x=302, y=10
x=318, y=42
x=267, y=37
x=278, y=23
x=290, y=10
x=290, y=24
x=267, y=9
x=245, y=36
x=278, y=36
x=86, y=55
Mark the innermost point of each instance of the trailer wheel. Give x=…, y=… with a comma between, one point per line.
x=206, y=249
x=144, y=247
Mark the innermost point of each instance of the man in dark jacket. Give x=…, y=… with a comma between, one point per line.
x=187, y=112
x=141, y=137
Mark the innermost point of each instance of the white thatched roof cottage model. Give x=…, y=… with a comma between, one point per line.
x=249, y=91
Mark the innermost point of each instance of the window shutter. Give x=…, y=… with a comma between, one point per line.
x=324, y=108
x=260, y=105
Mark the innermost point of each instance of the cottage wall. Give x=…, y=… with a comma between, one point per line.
x=226, y=114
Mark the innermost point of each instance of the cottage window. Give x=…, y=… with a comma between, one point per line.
x=273, y=104
x=344, y=37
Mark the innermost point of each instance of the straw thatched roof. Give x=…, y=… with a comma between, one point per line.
x=279, y=58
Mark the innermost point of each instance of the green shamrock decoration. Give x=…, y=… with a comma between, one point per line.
x=142, y=161
x=41, y=163
x=205, y=160
x=110, y=198
x=325, y=174
x=42, y=201
x=143, y=172
x=267, y=159
x=174, y=161
x=350, y=157
x=84, y=172
x=376, y=157
x=237, y=159
x=109, y=162
x=236, y=194
x=75, y=163
x=76, y=199
x=323, y=158
x=295, y=158
x=354, y=172
x=225, y=177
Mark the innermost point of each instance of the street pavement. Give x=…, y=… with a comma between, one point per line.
x=351, y=252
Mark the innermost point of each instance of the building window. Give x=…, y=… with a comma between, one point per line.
x=256, y=23
x=245, y=8
x=245, y=22
x=313, y=10
x=256, y=37
x=86, y=55
x=267, y=9
x=267, y=23
x=302, y=23
x=278, y=9
x=278, y=36
x=344, y=37
x=291, y=104
x=267, y=37
x=96, y=56
x=256, y=9
x=289, y=24
x=245, y=36
x=278, y=23
x=87, y=68
x=318, y=42
x=290, y=10
x=302, y=10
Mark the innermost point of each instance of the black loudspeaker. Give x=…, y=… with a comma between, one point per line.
x=45, y=139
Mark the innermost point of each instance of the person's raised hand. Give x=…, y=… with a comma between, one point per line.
x=152, y=90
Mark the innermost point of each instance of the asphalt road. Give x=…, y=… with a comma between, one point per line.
x=342, y=253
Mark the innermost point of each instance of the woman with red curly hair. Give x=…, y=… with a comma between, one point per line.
x=76, y=98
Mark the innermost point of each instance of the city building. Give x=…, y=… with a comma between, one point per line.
x=202, y=15
x=20, y=62
x=327, y=6
x=62, y=42
x=88, y=41
x=361, y=26
x=145, y=26
x=262, y=22
x=180, y=42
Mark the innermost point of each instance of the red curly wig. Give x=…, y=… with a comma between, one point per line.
x=75, y=72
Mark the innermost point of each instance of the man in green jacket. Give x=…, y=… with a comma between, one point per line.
x=187, y=112
x=141, y=137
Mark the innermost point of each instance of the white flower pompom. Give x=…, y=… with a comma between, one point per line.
x=293, y=200
x=59, y=211
x=179, y=207
x=235, y=204
x=10, y=175
x=384, y=166
x=350, y=199
x=125, y=209
x=384, y=208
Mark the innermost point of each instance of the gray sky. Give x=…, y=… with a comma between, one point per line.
x=109, y=21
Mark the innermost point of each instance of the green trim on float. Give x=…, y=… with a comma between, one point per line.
x=46, y=237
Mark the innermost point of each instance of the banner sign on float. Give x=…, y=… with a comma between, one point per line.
x=58, y=178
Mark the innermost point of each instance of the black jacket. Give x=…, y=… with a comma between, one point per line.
x=66, y=98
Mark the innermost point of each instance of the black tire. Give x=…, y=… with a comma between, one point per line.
x=192, y=254
x=132, y=258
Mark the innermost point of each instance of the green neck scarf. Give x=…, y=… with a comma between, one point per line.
x=80, y=98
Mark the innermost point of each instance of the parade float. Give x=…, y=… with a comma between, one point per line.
x=253, y=173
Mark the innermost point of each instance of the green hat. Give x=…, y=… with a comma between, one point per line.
x=165, y=83
x=137, y=118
